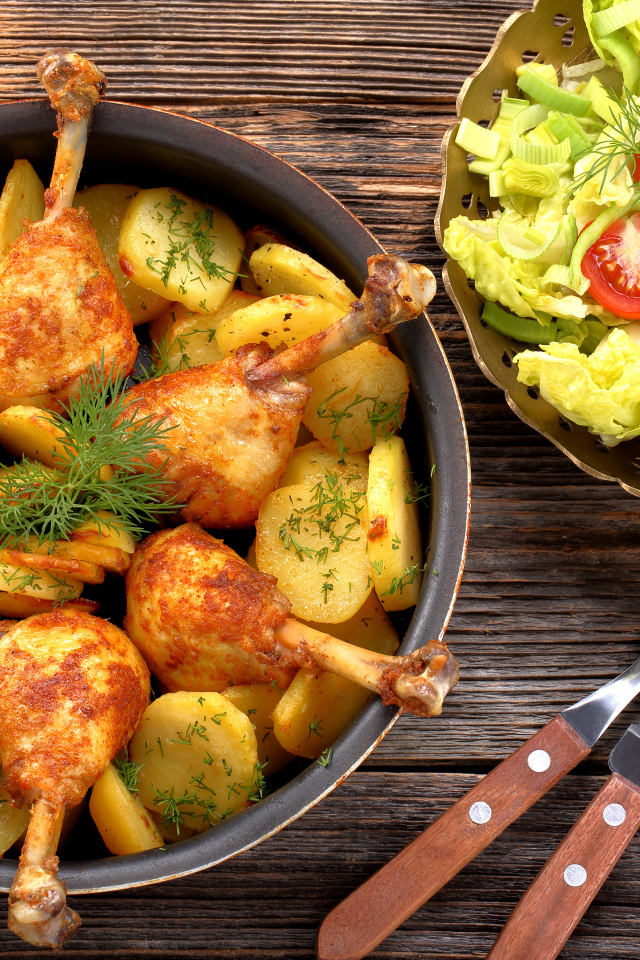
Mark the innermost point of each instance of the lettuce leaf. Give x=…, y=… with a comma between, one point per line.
x=516, y=284
x=601, y=391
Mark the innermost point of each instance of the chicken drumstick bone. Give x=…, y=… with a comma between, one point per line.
x=60, y=310
x=203, y=619
x=73, y=689
x=235, y=422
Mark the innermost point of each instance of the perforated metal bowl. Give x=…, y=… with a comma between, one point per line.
x=130, y=144
x=552, y=32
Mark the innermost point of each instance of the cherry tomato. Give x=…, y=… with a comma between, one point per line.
x=612, y=265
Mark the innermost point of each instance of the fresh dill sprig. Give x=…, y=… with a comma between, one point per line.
x=409, y=576
x=128, y=772
x=324, y=757
x=162, y=362
x=383, y=417
x=101, y=431
x=622, y=143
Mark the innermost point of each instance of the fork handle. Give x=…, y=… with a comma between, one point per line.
x=362, y=921
x=552, y=906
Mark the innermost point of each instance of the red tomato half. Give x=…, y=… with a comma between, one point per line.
x=612, y=265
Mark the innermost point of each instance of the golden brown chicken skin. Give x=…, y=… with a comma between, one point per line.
x=73, y=689
x=231, y=440
x=202, y=618
x=60, y=310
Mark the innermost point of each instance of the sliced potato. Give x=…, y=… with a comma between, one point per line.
x=19, y=605
x=357, y=397
x=123, y=823
x=33, y=433
x=13, y=820
x=280, y=269
x=54, y=565
x=318, y=551
x=106, y=205
x=200, y=759
x=317, y=707
x=256, y=237
x=178, y=247
x=395, y=547
x=369, y=628
x=286, y=318
x=112, y=559
x=258, y=701
x=183, y=339
x=22, y=199
x=44, y=584
x=311, y=463
x=109, y=533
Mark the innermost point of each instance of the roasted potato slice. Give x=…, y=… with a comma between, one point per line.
x=183, y=339
x=312, y=538
x=199, y=760
x=33, y=433
x=312, y=462
x=279, y=269
x=317, y=707
x=286, y=318
x=395, y=547
x=19, y=605
x=34, y=582
x=180, y=248
x=123, y=823
x=256, y=237
x=13, y=821
x=111, y=558
x=258, y=701
x=22, y=199
x=53, y=565
x=357, y=397
x=106, y=205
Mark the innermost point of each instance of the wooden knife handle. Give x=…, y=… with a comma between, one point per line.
x=362, y=921
x=550, y=909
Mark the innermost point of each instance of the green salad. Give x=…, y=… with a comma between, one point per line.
x=558, y=261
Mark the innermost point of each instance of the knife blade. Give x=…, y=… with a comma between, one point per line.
x=368, y=915
x=553, y=904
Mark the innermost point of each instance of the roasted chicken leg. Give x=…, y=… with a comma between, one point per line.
x=204, y=619
x=236, y=422
x=73, y=689
x=60, y=310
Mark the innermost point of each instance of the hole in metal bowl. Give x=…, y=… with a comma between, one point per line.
x=483, y=323
x=482, y=210
x=529, y=55
x=635, y=466
x=533, y=393
x=601, y=447
x=565, y=425
x=567, y=37
x=467, y=200
x=497, y=95
x=484, y=123
x=560, y=20
x=506, y=359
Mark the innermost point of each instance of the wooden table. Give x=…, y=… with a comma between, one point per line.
x=358, y=95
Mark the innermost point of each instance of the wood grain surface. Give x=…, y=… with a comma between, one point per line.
x=358, y=94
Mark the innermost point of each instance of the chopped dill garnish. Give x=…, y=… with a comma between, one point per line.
x=101, y=432
x=128, y=772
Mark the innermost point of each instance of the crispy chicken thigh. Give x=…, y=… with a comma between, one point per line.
x=204, y=619
x=60, y=310
x=236, y=421
x=73, y=689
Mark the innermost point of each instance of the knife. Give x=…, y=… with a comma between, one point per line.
x=366, y=917
x=550, y=909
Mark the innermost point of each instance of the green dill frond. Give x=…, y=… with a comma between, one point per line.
x=48, y=505
x=129, y=773
x=622, y=143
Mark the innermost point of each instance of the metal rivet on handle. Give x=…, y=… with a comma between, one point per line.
x=480, y=812
x=575, y=875
x=539, y=761
x=614, y=814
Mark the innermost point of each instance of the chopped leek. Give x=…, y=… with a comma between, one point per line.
x=509, y=109
x=535, y=153
x=601, y=102
x=529, y=178
x=536, y=236
x=518, y=328
x=496, y=184
x=562, y=129
x=627, y=57
x=553, y=96
x=475, y=139
x=606, y=21
x=545, y=70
